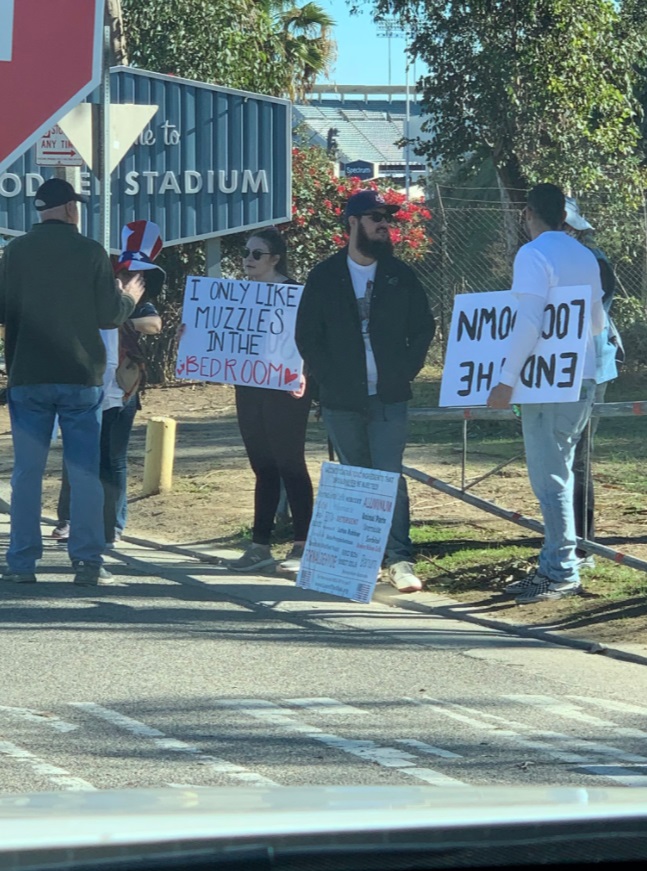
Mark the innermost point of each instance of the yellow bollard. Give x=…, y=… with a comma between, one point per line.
x=159, y=456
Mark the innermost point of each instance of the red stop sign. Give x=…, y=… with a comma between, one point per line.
x=50, y=59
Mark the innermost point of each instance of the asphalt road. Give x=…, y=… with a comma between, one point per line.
x=186, y=676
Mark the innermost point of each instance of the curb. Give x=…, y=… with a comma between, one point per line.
x=518, y=629
x=449, y=611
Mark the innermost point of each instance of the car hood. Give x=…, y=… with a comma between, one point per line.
x=121, y=817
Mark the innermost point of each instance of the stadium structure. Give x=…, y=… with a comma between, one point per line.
x=362, y=127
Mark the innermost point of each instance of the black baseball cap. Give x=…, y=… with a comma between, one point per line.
x=56, y=192
x=368, y=201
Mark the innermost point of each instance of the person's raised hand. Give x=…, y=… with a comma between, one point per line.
x=135, y=286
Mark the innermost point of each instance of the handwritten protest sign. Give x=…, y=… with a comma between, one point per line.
x=350, y=525
x=480, y=334
x=240, y=332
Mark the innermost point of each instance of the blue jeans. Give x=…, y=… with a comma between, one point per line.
x=33, y=409
x=116, y=426
x=376, y=439
x=551, y=432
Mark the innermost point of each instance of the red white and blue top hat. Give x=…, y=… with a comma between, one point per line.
x=141, y=242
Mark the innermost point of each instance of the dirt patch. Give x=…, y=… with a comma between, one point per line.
x=212, y=502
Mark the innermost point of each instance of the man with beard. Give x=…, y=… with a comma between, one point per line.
x=363, y=330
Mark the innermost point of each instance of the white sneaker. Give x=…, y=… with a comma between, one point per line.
x=586, y=562
x=292, y=562
x=61, y=531
x=257, y=556
x=403, y=577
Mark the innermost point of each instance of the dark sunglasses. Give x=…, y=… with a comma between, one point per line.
x=256, y=253
x=378, y=217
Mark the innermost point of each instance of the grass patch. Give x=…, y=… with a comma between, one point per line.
x=464, y=559
x=197, y=484
x=615, y=582
x=467, y=560
x=475, y=570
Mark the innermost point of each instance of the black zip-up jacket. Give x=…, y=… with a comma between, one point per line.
x=329, y=336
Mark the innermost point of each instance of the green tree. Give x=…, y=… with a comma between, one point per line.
x=224, y=42
x=545, y=88
x=272, y=47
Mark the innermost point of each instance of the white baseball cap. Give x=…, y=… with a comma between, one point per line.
x=573, y=217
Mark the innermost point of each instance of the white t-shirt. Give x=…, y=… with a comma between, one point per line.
x=363, y=278
x=553, y=259
x=113, y=395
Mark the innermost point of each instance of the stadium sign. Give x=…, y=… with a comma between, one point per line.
x=363, y=169
x=212, y=161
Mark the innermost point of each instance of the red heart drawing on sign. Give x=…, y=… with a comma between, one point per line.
x=289, y=376
x=180, y=369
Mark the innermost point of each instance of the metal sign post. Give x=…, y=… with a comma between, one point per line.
x=103, y=166
x=389, y=28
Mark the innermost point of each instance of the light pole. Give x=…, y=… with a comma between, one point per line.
x=387, y=29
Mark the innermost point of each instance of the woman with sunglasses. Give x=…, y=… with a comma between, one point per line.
x=273, y=427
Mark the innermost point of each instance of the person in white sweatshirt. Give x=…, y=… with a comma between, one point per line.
x=551, y=430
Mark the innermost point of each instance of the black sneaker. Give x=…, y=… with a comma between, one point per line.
x=91, y=575
x=18, y=577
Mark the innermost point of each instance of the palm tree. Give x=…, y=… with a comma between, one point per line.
x=306, y=42
x=116, y=21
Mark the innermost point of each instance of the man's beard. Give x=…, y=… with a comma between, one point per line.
x=376, y=248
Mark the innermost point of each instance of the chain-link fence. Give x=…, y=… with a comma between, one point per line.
x=475, y=240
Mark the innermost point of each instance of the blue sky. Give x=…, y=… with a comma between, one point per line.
x=362, y=54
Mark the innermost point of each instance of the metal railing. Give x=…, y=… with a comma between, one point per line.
x=467, y=414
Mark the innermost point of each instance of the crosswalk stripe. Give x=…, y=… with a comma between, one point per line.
x=571, y=712
x=142, y=730
x=595, y=747
x=620, y=775
x=456, y=712
x=324, y=705
x=612, y=705
x=39, y=717
x=559, y=749
x=56, y=775
x=428, y=748
x=365, y=749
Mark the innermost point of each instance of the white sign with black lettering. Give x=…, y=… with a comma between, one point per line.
x=348, y=533
x=240, y=332
x=479, y=337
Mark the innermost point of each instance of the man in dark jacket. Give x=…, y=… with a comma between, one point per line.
x=363, y=329
x=57, y=289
